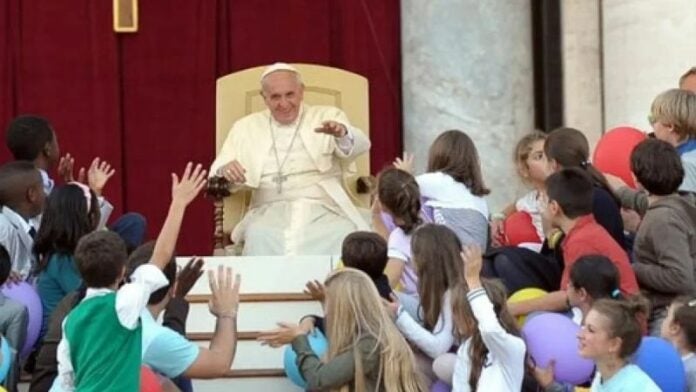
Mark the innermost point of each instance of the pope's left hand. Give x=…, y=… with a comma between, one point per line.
x=332, y=128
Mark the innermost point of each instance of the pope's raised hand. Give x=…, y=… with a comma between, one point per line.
x=233, y=172
x=332, y=128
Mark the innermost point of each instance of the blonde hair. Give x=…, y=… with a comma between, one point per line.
x=677, y=108
x=524, y=148
x=354, y=311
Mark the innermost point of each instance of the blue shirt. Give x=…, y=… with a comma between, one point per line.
x=629, y=379
x=59, y=279
x=164, y=350
x=687, y=146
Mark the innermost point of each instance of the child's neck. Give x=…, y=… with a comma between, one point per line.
x=566, y=224
x=42, y=163
x=21, y=210
x=652, y=199
x=609, y=367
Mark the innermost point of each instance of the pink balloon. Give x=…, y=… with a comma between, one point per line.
x=613, y=152
x=25, y=294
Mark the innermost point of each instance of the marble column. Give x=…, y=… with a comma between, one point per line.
x=467, y=64
x=647, y=46
x=582, y=67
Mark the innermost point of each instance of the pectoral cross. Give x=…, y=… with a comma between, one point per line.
x=279, y=179
x=125, y=16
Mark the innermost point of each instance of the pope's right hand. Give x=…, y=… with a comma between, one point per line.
x=233, y=172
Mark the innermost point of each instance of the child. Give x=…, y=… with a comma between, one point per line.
x=680, y=328
x=71, y=212
x=32, y=138
x=568, y=148
x=665, y=244
x=366, y=352
x=592, y=278
x=13, y=323
x=453, y=186
x=532, y=167
x=493, y=354
x=569, y=208
x=609, y=336
x=22, y=198
x=101, y=347
x=398, y=195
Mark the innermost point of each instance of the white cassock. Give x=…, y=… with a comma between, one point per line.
x=304, y=210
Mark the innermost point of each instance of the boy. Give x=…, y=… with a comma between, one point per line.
x=13, y=322
x=101, y=348
x=167, y=351
x=569, y=208
x=665, y=245
x=32, y=138
x=22, y=198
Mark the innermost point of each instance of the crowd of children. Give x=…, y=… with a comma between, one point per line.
x=424, y=304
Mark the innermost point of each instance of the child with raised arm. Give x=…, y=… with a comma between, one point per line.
x=101, y=347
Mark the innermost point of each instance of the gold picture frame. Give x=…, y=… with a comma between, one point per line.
x=125, y=16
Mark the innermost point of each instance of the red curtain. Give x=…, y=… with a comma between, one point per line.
x=145, y=101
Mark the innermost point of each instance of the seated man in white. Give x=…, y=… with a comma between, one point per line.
x=292, y=156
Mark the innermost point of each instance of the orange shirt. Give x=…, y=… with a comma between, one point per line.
x=587, y=238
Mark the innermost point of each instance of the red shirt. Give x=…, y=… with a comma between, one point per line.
x=587, y=238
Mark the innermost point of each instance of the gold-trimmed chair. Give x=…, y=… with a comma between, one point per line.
x=239, y=94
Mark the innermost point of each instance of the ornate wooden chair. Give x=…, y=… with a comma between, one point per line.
x=239, y=94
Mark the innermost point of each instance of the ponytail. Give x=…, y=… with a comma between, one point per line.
x=399, y=194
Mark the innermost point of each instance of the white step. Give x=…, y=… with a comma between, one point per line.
x=267, y=274
x=263, y=384
x=253, y=316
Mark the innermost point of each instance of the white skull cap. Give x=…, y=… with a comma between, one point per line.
x=277, y=67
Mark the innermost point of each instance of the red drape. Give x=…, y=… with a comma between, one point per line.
x=145, y=101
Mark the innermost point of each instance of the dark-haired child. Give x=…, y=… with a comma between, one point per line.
x=680, y=328
x=22, y=198
x=665, y=244
x=101, y=347
x=71, y=212
x=569, y=208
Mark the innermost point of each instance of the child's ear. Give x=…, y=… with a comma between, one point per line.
x=582, y=295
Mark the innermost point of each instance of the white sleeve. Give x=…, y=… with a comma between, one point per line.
x=105, y=209
x=430, y=184
x=434, y=343
x=131, y=298
x=64, y=381
x=346, y=142
x=507, y=347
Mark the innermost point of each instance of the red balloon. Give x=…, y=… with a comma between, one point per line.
x=613, y=152
x=149, y=382
x=519, y=229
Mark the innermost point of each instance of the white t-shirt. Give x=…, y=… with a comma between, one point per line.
x=442, y=191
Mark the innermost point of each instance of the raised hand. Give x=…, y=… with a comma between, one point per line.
x=405, y=163
x=284, y=334
x=233, y=172
x=332, y=128
x=473, y=262
x=188, y=276
x=224, y=290
x=65, y=170
x=98, y=175
x=316, y=290
x=186, y=189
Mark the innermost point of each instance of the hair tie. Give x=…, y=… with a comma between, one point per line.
x=584, y=164
x=616, y=293
x=691, y=303
x=86, y=192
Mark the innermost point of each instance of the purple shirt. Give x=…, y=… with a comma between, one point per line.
x=399, y=248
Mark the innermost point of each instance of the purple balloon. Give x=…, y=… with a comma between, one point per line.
x=440, y=387
x=25, y=294
x=553, y=336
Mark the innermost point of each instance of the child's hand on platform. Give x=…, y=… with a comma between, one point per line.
x=405, y=163
x=186, y=189
x=98, y=175
x=316, y=290
x=188, y=276
x=284, y=334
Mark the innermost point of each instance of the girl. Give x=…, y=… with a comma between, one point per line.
x=71, y=212
x=568, y=147
x=493, y=354
x=429, y=326
x=610, y=335
x=398, y=195
x=680, y=328
x=366, y=352
x=532, y=167
x=453, y=186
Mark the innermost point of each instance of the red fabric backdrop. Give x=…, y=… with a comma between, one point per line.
x=145, y=101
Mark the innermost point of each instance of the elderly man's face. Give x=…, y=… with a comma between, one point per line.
x=283, y=93
x=689, y=83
